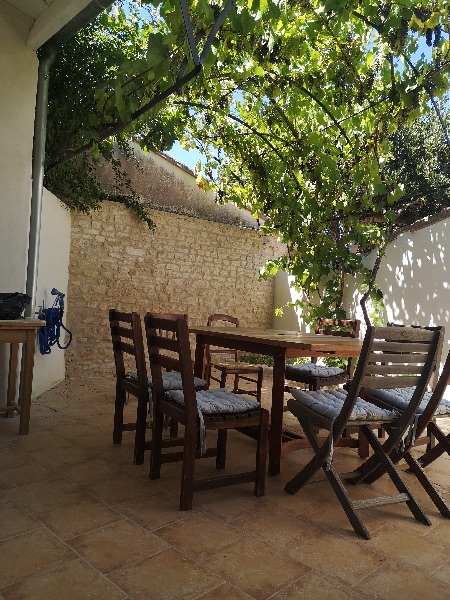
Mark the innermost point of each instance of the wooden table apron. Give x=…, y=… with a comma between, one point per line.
x=15, y=332
x=280, y=345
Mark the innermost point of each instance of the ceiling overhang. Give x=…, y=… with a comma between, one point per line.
x=49, y=17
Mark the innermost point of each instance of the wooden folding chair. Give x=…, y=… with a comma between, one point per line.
x=233, y=365
x=127, y=340
x=433, y=405
x=389, y=359
x=199, y=412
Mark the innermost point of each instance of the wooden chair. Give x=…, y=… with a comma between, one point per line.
x=234, y=366
x=127, y=340
x=388, y=359
x=199, y=412
x=433, y=405
x=317, y=376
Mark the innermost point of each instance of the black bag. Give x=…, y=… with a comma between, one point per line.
x=12, y=305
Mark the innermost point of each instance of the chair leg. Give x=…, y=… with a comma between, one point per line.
x=155, y=455
x=118, y=415
x=388, y=466
x=187, y=475
x=236, y=383
x=427, y=485
x=322, y=453
x=223, y=379
x=139, y=438
x=346, y=502
x=259, y=384
x=261, y=454
x=221, y=448
x=442, y=446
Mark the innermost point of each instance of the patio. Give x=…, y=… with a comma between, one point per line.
x=80, y=520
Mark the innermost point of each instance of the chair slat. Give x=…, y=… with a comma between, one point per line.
x=163, y=342
x=400, y=369
x=125, y=347
x=390, y=382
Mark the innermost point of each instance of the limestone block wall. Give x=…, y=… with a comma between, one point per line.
x=187, y=265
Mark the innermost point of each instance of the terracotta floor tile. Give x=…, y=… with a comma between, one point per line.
x=166, y=576
x=74, y=518
x=199, y=537
x=114, y=546
x=72, y=581
x=394, y=581
x=346, y=560
x=25, y=474
x=66, y=490
x=154, y=511
x=225, y=592
x=91, y=471
x=30, y=553
x=443, y=573
x=39, y=497
x=416, y=551
x=256, y=569
x=314, y=585
x=122, y=488
x=15, y=520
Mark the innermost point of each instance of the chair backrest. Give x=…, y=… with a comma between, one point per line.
x=127, y=341
x=434, y=376
x=169, y=349
x=342, y=328
x=223, y=321
x=391, y=358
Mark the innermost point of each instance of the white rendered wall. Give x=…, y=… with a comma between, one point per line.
x=53, y=272
x=18, y=74
x=18, y=77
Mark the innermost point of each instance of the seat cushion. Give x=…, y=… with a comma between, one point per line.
x=171, y=380
x=217, y=401
x=400, y=397
x=314, y=370
x=328, y=404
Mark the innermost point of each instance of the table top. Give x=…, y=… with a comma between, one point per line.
x=281, y=337
x=27, y=323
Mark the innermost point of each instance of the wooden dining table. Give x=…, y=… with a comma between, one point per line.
x=280, y=344
x=15, y=332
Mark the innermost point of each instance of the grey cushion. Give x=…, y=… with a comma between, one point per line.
x=171, y=380
x=314, y=370
x=328, y=403
x=217, y=401
x=400, y=397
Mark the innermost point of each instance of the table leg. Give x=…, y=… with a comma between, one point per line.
x=199, y=360
x=26, y=383
x=12, y=379
x=276, y=415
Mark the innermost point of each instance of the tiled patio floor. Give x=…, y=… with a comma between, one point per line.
x=80, y=521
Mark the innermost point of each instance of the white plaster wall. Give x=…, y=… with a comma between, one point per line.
x=18, y=75
x=53, y=272
x=415, y=278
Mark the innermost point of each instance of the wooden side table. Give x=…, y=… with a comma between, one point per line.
x=15, y=332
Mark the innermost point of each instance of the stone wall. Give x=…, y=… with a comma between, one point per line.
x=187, y=265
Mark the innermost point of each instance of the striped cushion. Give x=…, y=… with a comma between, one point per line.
x=217, y=401
x=400, y=397
x=314, y=370
x=328, y=404
x=171, y=380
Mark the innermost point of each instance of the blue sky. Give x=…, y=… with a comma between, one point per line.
x=186, y=157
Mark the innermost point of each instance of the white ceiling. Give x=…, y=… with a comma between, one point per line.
x=33, y=8
x=47, y=17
